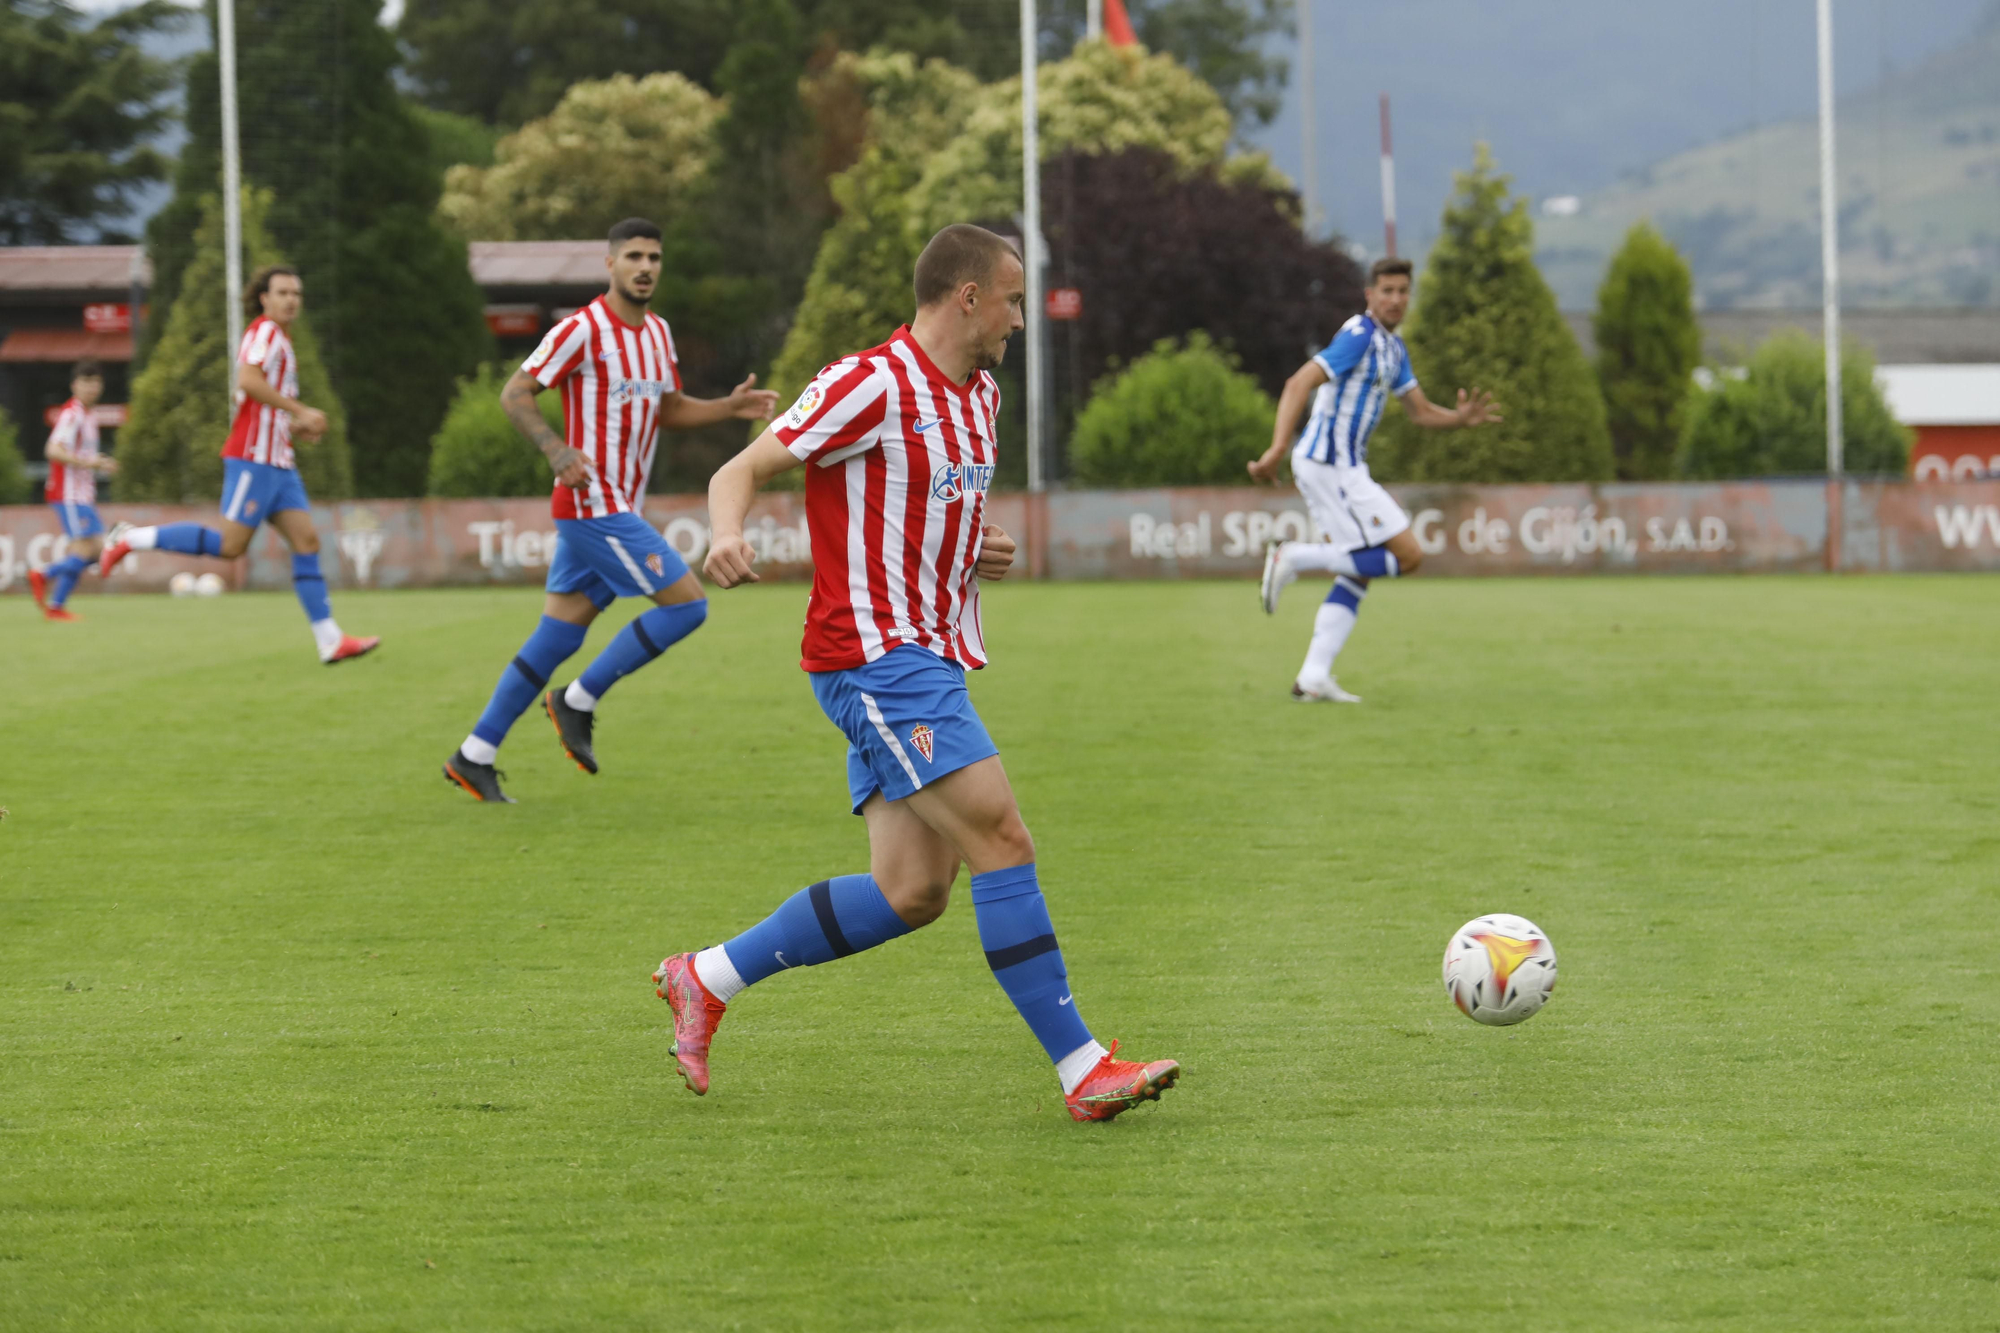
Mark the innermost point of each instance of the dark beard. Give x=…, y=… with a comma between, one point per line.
x=990, y=360
x=628, y=294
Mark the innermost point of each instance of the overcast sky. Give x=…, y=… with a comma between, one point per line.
x=1569, y=92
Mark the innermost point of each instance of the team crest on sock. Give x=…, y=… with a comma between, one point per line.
x=657, y=565
x=922, y=736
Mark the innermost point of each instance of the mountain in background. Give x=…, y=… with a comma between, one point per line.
x=1919, y=182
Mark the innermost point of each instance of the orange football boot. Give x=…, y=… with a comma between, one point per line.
x=351, y=648
x=697, y=1014
x=1119, y=1085
x=38, y=588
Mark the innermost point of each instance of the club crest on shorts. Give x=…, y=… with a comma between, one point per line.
x=250, y=508
x=923, y=738
x=657, y=565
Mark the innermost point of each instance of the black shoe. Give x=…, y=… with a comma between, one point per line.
x=482, y=780
x=572, y=729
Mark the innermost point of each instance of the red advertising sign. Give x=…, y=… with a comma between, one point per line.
x=107, y=318
x=1064, y=303
x=514, y=321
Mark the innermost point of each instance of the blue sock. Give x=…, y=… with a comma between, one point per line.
x=188, y=539
x=1348, y=592
x=1374, y=562
x=310, y=585
x=640, y=642
x=832, y=919
x=1020, y=944
x=547, y=648
x=65, y=572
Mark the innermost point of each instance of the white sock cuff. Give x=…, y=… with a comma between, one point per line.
x=478, y=751
x=326, y=634
x=581, y=699
x=717, y=973
x=1073, y=1068
x=143, y=539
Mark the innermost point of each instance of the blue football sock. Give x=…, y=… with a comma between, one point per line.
x=832, y=919
x=644, y=639
x=547, y=648
x=1373, y=562
x=188, y=539
x=63, y=574
x=1020, y=944
x=310, y=585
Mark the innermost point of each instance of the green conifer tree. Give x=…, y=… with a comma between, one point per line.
x=14, y=487
x=170, y=448
x=353, y=184
x=1648, y=345
x=1484, y=318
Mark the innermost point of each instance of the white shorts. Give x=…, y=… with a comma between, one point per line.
x=1348, y=506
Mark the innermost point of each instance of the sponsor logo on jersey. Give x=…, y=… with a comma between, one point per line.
x=953, y=481
x=657, y=565
x=804, y=407
x=924, y=739
x=625, y=390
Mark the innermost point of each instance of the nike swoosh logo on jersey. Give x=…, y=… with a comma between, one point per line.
x=923, y=426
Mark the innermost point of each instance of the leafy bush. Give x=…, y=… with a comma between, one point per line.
x=1771, y=421
x=1182, y=415
x=14, y=488
x=1648, y=345
x=477, y=452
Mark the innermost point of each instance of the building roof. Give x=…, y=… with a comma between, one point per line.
x=1942, y=395
x=538, y=263
x=72, y=268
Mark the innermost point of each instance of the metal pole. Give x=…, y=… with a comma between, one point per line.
x=1388, y=183
x=1031, y=241
x=1829, y=242
x=1308, y=116
x=232, y=187
x=1093, y=19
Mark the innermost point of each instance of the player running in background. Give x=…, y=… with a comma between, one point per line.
x=1366, y=533
x=73, y=467
x=898, y=444
x=620, y=384
x=259, y=478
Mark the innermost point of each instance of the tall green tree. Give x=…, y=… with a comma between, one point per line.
x=14, y=489
x=1770, y=420
x=170, y=448
x=353, y=184
x=1484, y=318
x=1648, y=344
x=79, y=103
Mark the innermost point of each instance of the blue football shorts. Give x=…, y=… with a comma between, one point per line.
x=908, y=721
x=78, y=520
x=617, y=556
x=252, y=492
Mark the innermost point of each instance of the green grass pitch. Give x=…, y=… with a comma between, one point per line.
x=295, y=1036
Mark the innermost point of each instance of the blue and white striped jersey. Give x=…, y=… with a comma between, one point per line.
x=1364, y=364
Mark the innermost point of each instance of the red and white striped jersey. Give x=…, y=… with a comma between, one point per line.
x=899, y=463
x=613, y=375
x=262, y=433
x=76, y=431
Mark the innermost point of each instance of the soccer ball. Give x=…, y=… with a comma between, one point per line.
x=208, y=585
x=1499, y=969
x=181, y=584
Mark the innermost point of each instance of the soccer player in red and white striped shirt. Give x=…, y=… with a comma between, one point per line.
x=898, y=443
x=259, y=477
x=614, y=362
x=72, y=490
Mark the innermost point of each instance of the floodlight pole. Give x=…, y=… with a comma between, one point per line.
x=1093, y=19
x=1308, y=114
x=1388, y=184
x=1829, y=250
x=232, y=188
x=1031, y=241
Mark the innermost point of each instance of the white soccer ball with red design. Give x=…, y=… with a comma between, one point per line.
x=1499, y=969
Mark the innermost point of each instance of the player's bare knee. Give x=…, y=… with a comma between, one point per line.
x=234, y=545
x=1412, y=562
x=918, y=898
x=306, y=544
x=1010, y=842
